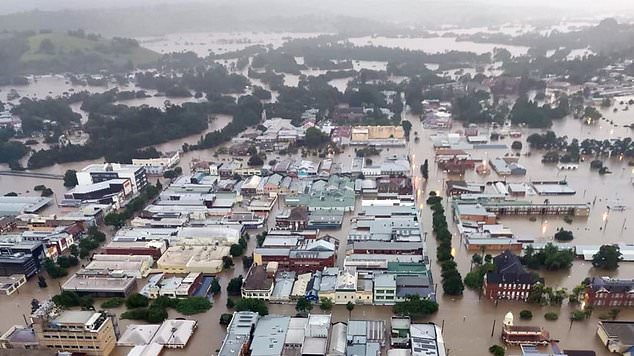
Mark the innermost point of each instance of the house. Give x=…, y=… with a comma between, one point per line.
x=259, y=282
x=609, y=292
x=509, y=278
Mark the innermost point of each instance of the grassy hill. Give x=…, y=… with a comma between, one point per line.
x=58, y=52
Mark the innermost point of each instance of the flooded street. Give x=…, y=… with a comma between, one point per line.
x=471, y=323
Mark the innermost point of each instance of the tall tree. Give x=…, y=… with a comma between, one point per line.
x=607, y=258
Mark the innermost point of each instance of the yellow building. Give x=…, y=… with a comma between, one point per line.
x=74, y=331
x=369, y=133
x=187, y=259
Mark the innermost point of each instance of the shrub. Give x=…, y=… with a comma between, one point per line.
x=551, y=316
x=496, y=350
x=113, y=303
x=254, y=305
x=137, y=300
x=135, y=314
x=225, y=318
x=526, y=315
x=193, y=305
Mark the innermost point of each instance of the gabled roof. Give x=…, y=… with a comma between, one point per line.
x=509, y=269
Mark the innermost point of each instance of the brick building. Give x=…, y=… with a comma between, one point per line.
x=509, y=279
x=608, y=292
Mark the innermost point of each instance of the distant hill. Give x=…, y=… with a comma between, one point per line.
x=74, y=51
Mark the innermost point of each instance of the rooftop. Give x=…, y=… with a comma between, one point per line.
x=269, y=335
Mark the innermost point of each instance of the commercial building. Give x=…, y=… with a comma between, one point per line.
x=137, y=266
x=509, y=278
x=517, y=335
x=100, y=283
x=269, y=336
x=305, y=256
x=19, y=337
x=20, y=257
x=96, y=173
x=10, y=284
x=87, y=332
x=239, y=332
x=365, y=337
x=193, y=258
x=617, y=336
x=377, y=135
x=113, y=191
x=157, y=166
x=382, y=248
x=13, y=206
x=175, y=333
x=259, y=281
x=155, y=248
x=427, y=340
x=609, y=292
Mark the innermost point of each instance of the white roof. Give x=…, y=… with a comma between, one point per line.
x=138, y=335
x=175, y=332
x=146, y=350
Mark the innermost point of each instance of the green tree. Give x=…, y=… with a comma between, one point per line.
x=225, y=319
x=315, y=137
x=70, y=178
x=235, y=286
x=325, y=303
x=155, y=314
x=227, y=262
x=608, y=257
x=350, y=308
x=236, y=250
x=303, y=305
x=496, y=350
x=563, y=235
x=114, y=219
x=407, y=127
x=113, y=303
x=193, y=305
x=414, y=306
x=215, y=286
x=551, y=316
x=137, y=300
x=526, y=315
x=254, y=305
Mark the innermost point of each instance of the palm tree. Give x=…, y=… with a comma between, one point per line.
x=350, y=307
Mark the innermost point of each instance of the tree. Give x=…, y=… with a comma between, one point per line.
x=74, y=250
x=315, y=137
x=114, y=219
x=424, y=169
x=350, y=308
x=227, y=262
x=225, y=319
x=476, y=259
x=236, y=250
x=303, y=305
x=563, y=235
x=136, y=300
x=254, y=305
x=193, y=305
x=215, y=286
x=230, y=303
x=325, y=303
x=113, y=303
x=452, y=283
x=414, y=306
x=67, y=261
x=551, y=316
x=407, y=127
x=70, y=178
x=255, y=160
x=235, y=286
x=608, y=257
x=156, y=314
x=496, y=350
x=526, y=315
x=516, y=145
x=66, y=299
x=54, y=270
x=47, y=46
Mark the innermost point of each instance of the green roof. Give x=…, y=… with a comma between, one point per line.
x=407, y=267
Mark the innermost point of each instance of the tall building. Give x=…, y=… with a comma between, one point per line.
x=96, y=173
x=87, y=332
x=509, y=279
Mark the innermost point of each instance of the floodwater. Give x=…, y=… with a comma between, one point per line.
x=434, y=44
x=204, y=43
x=468, y=320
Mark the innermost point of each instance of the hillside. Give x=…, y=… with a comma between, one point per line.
x=57, y=52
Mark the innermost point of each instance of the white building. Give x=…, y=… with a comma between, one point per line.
x=96, y=173
x=156, y=166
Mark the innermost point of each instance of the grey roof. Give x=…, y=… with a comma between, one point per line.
x=621, y=330
x=426, y=340
x=138, y=335
x=384, y=280
x=17, y=205
x=269, y=335
x=338, y=339
x=238, y=332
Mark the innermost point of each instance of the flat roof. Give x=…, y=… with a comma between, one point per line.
x=97, y=283
x=269, y=335
x=74, y=317
x=19, y=205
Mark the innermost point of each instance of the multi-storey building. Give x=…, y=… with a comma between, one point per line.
x=96, y=173
x=86, y=332
x=509, y=279
x=608, y=292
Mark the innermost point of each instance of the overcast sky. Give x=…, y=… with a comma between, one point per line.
x=347, y=7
